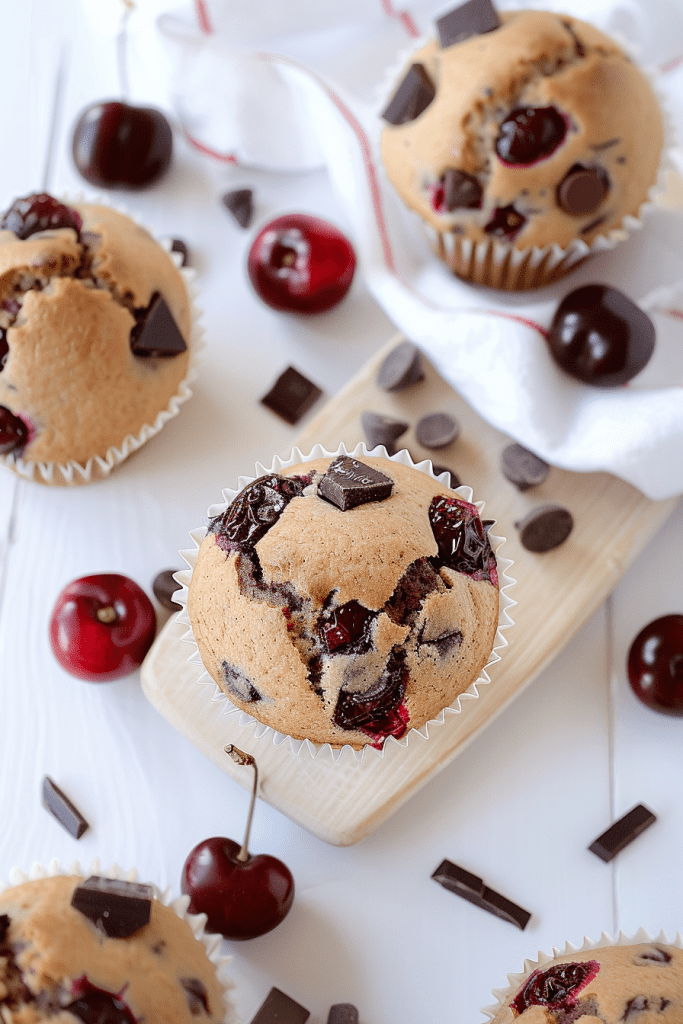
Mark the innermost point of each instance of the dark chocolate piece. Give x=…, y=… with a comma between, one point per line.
x=412, y=97
x=454, y=480
x=164, y=587
x=622, y=832
x=381, y=429
x=240, y=203
x=277, y=1008
x=118, y=908
x=461, y=191
x=156, y=332
x=469, y=19
x=59, y=805
x=506, y=222
x=342, y=1013
x=437, y=430
x=471, y=887
x=292, y=395
x=177, y=245
x=582, y=190
x=545, y=527
x=522, y=468
x=348, y=483
x=197, y=996
x=401, y=368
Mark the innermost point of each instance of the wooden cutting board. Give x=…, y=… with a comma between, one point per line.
x=342, y=802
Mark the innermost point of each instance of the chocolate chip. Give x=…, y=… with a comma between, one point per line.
x=197, y=996
x=279, y=1008
x=164, y=587
x=240, y=203
x=118, y=908
x=291, y=396
x=522, y=468
x=342, y=1013
x=59, y=805
x=412, y=97
x=437, y=430
x=156, y=332
x=545, y=527
x=381, y=429
x=348, y=483
x=622, y=832
x=582, y=190
x=469, y=19
x=461, y=191
x=471, y=887
x=401, y=368
x=177, y=245
x=454, y=479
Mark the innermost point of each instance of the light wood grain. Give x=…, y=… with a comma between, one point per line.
x=556, y=593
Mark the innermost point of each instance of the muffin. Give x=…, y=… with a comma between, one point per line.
x=610, y=984
x=523, y=145
x=95, y=326
x=59, y=960
x=345, y=600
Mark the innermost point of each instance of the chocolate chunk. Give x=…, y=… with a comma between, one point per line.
x=471, y=887
x=240, y=203
x=461, y=191
x=454, y=480
x=164, y=587
x=118, y=908
x=177, y=245
x=342, y=1013
x=437, y=430
x=469, y=19
x=348, y=483
x=237, y=684
x=622, y=832
x=277, y=1008
x=197, y=996
x=582, y=190
x=545, y=527
x=292, y=395
x=381, y=429
x=59, y=805
x=506, y=222
x=412, y=97
x=156, y=332
x=401, y=368
x=522, y=468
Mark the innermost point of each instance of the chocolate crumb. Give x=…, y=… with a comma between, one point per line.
x=545, y=527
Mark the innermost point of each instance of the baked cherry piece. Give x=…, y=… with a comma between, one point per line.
x=117, y=144
x=39, y=212
x=530, y=134
x=13, y=432
x=242, y=896
x=301, y=264
x=101, y=627
x=655, y=665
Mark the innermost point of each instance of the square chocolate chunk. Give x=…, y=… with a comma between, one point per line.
x=412, y=97
x=348, y=483
x=279, y=1008
x=291, y=395
x=469, y=19
x=117, y=907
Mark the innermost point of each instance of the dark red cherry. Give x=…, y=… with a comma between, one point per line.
x=655, y=665
x=348, y=628
x=39, y=212
x=379, y=711
x=506, y=222
x=529, y=134
x=462, y=538
x=557, y=987
x=119, y=145
x=95, y=1005
x=13, y=432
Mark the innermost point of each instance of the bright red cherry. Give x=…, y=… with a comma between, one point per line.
x=101, y=627
x=116, y=144
x=301, y=264
x=242, y=896
x=655, y=665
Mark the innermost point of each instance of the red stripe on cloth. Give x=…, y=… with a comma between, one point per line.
x=671, y=64
x=201, y=147
x=403, y=16
x=201, y=9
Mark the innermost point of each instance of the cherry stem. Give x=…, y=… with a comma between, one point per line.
x=107, y=615
x=122, y=48
x=239, y=757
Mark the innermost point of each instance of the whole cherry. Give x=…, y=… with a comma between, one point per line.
x=242, y=896
x=301, y=264
x=117, y=144
x=101, y=627
x=655, y=665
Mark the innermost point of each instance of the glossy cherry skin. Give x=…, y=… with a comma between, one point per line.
x=301, y=264
x=119, y=145
x=241, y=899
x=101, y=649
x=655, y=665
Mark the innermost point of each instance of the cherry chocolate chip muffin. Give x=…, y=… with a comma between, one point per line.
x=343, y=601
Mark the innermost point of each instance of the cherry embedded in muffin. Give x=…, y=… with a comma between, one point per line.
x=557, y=987
x=14, y=433
x=530, y=134
x=506, y=222
x=462, y=538
x=39, y=212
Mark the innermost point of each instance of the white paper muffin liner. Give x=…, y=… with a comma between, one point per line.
x=516, y=980
x=211, y=943
x=100, y=466
x=266, y=734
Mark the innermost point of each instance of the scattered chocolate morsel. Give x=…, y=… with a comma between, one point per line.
x=471, y=887
x=117, y=907
x=164, y=587
x=469, y=19
x=622, y=832
x=156, y=332
x=461, y=191
x=545, y=527
x=412, y=97
x=437, y=430
x=342, y=1013
x=348, y=483
x=454, y=480
x=278, y=1008
x=292, y=395
x=59, y=805
x=177, y=245
x=240, y=203
x=381, y=429
x=401, y=368
x=582, y=190
x=522, y=468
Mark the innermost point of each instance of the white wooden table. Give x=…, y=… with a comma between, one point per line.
x=518, y=807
